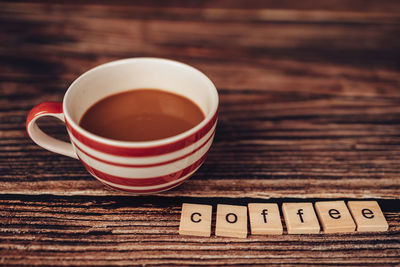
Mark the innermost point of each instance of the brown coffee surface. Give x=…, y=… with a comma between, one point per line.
x=141, y=115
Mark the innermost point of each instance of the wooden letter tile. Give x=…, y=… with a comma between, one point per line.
x=265, y=219
x=195, y=220
x=231, y=221
x=335, y=217
x=300, y=218
x=368, y=216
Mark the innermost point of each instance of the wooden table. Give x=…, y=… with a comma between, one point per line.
x=310, y=110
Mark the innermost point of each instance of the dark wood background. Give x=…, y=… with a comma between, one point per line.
x=310, y=110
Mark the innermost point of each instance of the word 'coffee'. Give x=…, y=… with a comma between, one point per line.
x=300, y=218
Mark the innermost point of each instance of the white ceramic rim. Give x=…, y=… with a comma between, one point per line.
x=158, y=142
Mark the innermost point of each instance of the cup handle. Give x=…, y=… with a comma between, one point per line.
x=53, y=109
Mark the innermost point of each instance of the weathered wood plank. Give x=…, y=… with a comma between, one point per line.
x=284, y=187
x=116, y=230
x=365, y=6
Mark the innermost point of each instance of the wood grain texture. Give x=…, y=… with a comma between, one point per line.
x=309, y=110
x=107, y=230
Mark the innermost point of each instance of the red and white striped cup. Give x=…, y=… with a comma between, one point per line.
x=137, y=167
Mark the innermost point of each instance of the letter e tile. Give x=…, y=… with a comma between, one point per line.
x=335, y=217
x=368, y=216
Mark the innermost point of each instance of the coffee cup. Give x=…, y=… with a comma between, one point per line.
x=143, y=167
